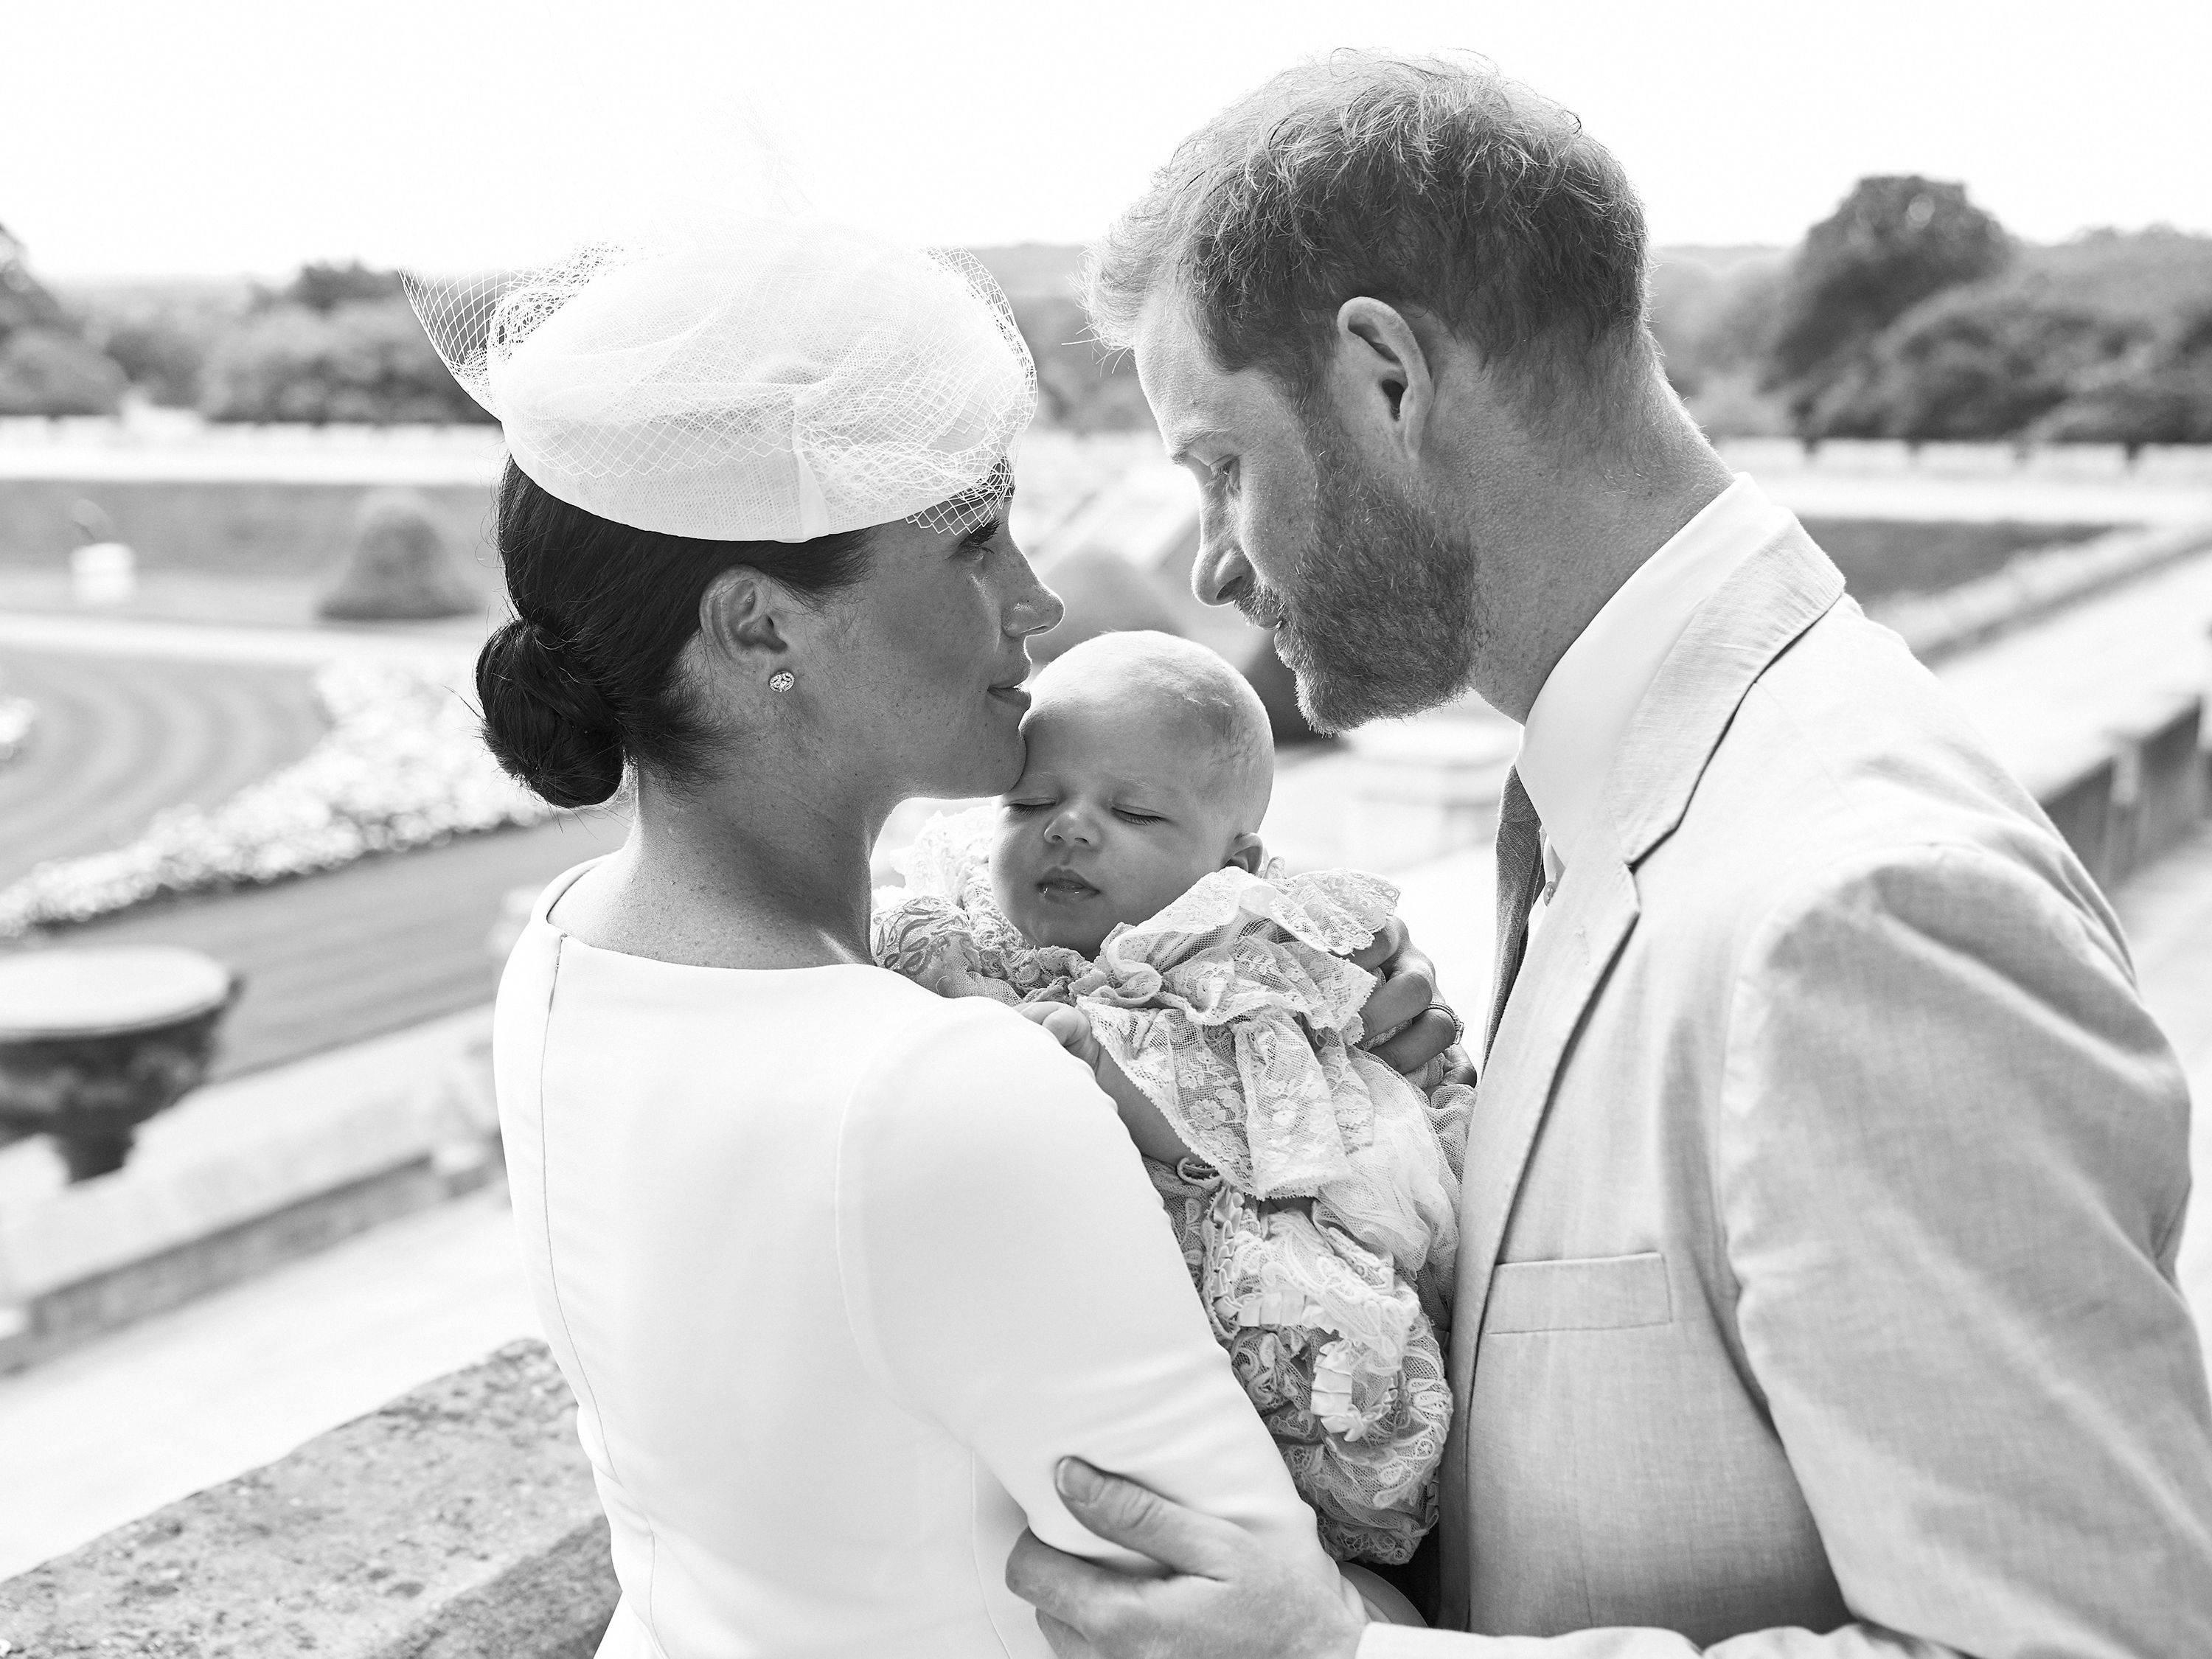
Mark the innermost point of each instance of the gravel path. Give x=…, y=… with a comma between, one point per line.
x=331, y=959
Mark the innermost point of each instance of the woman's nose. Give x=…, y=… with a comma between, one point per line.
x=1221, y=571
x=1030, y=607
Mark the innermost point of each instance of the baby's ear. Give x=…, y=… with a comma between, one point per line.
x=1246, y=854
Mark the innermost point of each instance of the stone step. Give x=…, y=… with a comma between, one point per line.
x=240, y=1177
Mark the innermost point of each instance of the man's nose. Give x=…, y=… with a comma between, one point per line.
x=1221, y=571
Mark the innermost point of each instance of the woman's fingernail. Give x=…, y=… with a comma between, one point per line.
x=1078, y=1482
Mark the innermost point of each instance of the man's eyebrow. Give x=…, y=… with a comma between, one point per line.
x=1184, y=445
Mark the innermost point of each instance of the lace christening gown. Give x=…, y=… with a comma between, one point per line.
x=1317, y=1209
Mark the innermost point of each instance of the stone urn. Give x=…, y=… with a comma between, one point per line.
x=94, y=1042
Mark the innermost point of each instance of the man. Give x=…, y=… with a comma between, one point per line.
x=1817, y=1289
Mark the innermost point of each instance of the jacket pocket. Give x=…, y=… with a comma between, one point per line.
x=1594, y=1293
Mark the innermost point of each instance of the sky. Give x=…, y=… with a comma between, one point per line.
x=227, y=137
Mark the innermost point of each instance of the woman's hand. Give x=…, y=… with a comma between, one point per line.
x=1410, y=1030
x=1147, y=1126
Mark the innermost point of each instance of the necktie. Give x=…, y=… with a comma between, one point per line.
x=1519, y=879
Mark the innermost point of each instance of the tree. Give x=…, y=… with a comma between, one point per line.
x=24, y=303
x=44, y=371
x=1078, y=386
x=1894, y=243
x=161, y=355
x=1713, y=314
x=45, y=368
x=362, y=361
x=2159, y=394
x=1972, y=363
x=325, y=287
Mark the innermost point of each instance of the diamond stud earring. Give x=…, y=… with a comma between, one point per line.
x=779, y=682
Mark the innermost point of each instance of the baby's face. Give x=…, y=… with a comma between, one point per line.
x=1120, y=809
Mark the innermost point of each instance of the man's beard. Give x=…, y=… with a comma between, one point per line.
x=1377, y=619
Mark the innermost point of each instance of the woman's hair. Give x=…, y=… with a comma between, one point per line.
x=582, y=682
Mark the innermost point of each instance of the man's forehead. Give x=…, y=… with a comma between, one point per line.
x=1198, y=404
x=1181, y=380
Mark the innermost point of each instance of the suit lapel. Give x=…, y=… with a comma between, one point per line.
x=1589, y=916
x=1773, y=597
x=1778, y=592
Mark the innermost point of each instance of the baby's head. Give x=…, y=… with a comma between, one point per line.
x=1149, y=765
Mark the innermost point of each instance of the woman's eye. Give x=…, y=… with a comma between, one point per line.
x=1224, y=472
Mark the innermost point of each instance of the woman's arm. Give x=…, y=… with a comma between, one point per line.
x=1010, y=1277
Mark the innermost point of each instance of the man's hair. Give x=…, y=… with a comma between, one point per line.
x=1432, y=186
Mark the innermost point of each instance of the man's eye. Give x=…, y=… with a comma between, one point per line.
x=1224, y=472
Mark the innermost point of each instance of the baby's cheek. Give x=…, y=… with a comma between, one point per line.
x=1155, y=882
x=1009, y=874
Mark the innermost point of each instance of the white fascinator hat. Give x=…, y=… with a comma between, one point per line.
x=749, y=379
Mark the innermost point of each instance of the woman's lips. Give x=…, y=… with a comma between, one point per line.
x=1012, y=696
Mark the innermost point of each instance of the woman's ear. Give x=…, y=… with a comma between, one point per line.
x=1246, y=854
x=742, y=617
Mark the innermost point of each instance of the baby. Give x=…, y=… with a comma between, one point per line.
x=1313, y=1191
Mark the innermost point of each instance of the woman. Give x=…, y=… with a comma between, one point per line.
x=837, y=1269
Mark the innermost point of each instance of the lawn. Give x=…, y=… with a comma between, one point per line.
x=229, y=536
x=1888, y=558
x=223, y=527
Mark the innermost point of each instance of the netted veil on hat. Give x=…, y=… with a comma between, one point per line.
x=755, y=379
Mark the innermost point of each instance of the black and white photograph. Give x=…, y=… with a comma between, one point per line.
x=985, y=831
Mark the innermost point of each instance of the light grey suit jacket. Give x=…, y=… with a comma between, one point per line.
x=1817, y=1293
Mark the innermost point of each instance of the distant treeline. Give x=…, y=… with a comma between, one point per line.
x=1908, y=313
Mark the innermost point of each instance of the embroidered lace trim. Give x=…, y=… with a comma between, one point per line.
x=1318, y=1209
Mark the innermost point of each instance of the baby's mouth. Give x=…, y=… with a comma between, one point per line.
x=1064, y=885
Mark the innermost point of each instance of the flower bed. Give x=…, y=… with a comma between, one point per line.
x=402, y=766
x=17, y=714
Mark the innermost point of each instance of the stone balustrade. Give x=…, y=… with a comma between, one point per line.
x=457, y=1521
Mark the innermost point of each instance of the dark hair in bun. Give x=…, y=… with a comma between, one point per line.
x=579, y=684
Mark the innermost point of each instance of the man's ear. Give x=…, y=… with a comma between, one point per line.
x=1246, y=854
x=1383, y=379
x=741, y=623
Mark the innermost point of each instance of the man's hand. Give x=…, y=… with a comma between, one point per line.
x=1227, y=1596
x=1408, y=1027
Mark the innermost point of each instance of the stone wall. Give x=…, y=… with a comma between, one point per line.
x=457, y=1520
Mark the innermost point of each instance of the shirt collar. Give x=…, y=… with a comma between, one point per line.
x=1590, y=700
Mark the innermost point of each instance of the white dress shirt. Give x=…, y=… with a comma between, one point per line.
x=1591, y=699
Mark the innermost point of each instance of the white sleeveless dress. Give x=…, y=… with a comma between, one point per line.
x=838, y=1269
